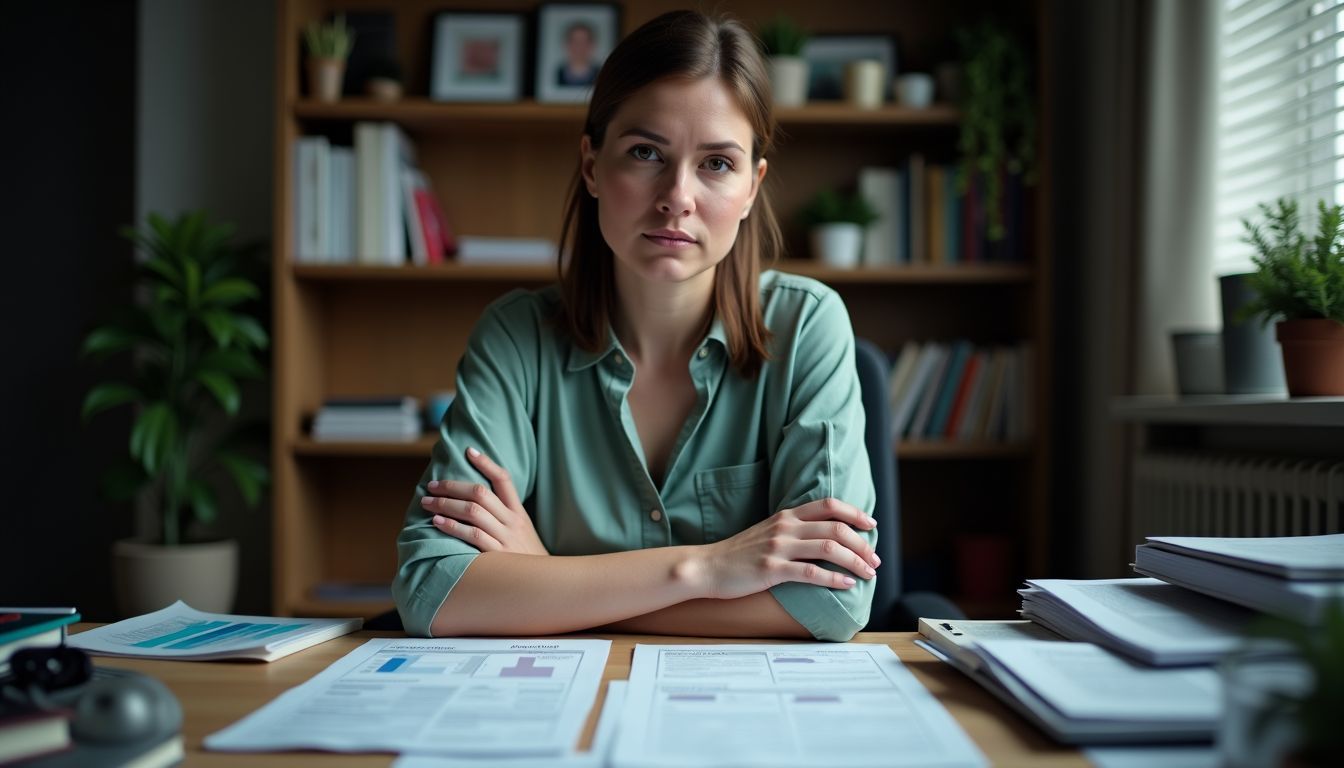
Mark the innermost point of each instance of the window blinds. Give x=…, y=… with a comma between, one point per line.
x=1281, y=114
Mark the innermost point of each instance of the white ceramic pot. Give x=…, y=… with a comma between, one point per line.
x=788, y=80
x=837, y=244
x=915, y=90
x=149, y=577
x=325, y=77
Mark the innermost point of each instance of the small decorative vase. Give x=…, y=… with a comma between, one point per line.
x=865, y=84
x=1313, y=356
x=837, y=244
x=788, y=80
x=325, y=77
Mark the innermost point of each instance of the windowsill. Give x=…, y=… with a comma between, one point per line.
x=1262, y=410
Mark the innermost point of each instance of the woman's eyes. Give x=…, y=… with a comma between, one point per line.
x=716, y=164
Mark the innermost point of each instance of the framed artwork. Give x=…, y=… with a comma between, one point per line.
x=573, y=40
x=477, y=57
x=827, y=56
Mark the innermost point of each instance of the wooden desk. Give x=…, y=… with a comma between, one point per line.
x=217, y=694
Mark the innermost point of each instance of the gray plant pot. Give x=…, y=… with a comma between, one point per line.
x=1252, y=363
x=150, y=577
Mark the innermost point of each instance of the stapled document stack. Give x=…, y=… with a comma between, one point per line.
x=1078, y=693
x=1294, y=577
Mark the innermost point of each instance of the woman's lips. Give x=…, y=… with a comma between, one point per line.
x=668, y=239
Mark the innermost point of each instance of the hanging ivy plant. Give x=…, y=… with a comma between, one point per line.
x=998, y=114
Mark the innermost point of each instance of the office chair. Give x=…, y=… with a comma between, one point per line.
x=892, y=611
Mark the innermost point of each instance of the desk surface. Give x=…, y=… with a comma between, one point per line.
x=216, y=694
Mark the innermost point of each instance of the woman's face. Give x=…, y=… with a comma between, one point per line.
x=674, y=179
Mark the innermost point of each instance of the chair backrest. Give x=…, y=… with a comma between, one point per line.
x=874, y=370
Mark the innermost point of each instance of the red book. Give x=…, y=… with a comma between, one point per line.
x=438, y=237
x=963, y=391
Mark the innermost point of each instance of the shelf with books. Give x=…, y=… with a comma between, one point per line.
x=423, y=115
x=539, y=273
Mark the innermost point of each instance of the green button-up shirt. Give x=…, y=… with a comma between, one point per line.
x=556, y=417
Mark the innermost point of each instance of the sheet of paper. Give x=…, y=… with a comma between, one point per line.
x=182, y=632
x=1082, y=680
x=471, y=697
x=1311, y=557
x=957, y=637
x=596, y=756
x=783, y=705
x=1147, y=619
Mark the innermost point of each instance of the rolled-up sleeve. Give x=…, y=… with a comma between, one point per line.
x=821, y=453
x=496, y=389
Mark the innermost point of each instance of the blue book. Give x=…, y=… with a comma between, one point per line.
x=30, y=629
x=961, y=353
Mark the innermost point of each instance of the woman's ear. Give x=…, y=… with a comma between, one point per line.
x=587, y=161
x=755, y=187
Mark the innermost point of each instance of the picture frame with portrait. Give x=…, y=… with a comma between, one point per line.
x=828, y=55
x=477, y=56
x=573, y=39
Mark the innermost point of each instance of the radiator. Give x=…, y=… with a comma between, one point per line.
x=1211, y=494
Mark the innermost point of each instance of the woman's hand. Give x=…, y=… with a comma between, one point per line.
x=778, y=549
x=490, y=518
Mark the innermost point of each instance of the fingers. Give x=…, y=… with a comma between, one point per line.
x=835, y=509
x=811, y=573
x=470, y=534
x=499, y=478
x=847, y=537
x=472, y=513
x=831, y=551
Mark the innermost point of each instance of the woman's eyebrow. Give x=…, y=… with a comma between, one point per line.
x=659, y=139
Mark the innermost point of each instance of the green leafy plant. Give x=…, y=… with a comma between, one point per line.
x=830, y=207
x=190, y=341
x=998, y=115
x=1296, y=277
x=331, y=40
x=781, y=36
x=1317, y=712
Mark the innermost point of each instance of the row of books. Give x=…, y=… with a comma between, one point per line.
x=1132, y=660
x=924, y=216
x=956, y=391
x=366, y=204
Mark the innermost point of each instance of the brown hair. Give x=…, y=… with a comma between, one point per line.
x=690, y=45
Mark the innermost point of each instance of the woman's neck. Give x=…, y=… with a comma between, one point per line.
x=661, y=323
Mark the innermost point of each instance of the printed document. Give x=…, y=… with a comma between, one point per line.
x=470, y=697
x=783, y=705
x=597, y=755
x=182, y=632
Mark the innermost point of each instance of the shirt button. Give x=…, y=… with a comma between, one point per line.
x=655, y=515
x=704, y=352
x=619, y=360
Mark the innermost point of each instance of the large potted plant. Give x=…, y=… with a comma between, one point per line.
x=191, y=339
x=782, y=41
x=1299, y=282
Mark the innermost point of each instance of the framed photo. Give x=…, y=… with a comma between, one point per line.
x=827, y=56
x=572, y=42
x=477, y=57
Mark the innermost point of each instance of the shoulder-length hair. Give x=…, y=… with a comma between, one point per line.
x=689, y=45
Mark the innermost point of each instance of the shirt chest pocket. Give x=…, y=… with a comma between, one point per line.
x=732, y=498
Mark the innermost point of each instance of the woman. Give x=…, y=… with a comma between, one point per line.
x=670, y=441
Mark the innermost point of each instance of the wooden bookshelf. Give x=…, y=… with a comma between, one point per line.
x=502, y=170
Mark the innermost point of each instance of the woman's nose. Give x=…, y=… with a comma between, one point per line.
x=675, y=198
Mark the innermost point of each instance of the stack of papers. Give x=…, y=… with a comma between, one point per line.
x=1294, y=577
x=802, y=705
x=1144, y=619
x=466, y=698
x=184, y=633
x=1080, y=693
x=368, y=418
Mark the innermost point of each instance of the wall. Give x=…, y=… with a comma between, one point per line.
x=206, y=114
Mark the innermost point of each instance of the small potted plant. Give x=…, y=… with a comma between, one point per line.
x=1299, y=282
x=782, y=40
x=383, y=79
x=328, y=46
x=190, y=340
x=835, y=223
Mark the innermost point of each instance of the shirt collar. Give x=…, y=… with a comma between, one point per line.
x=580, y=358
